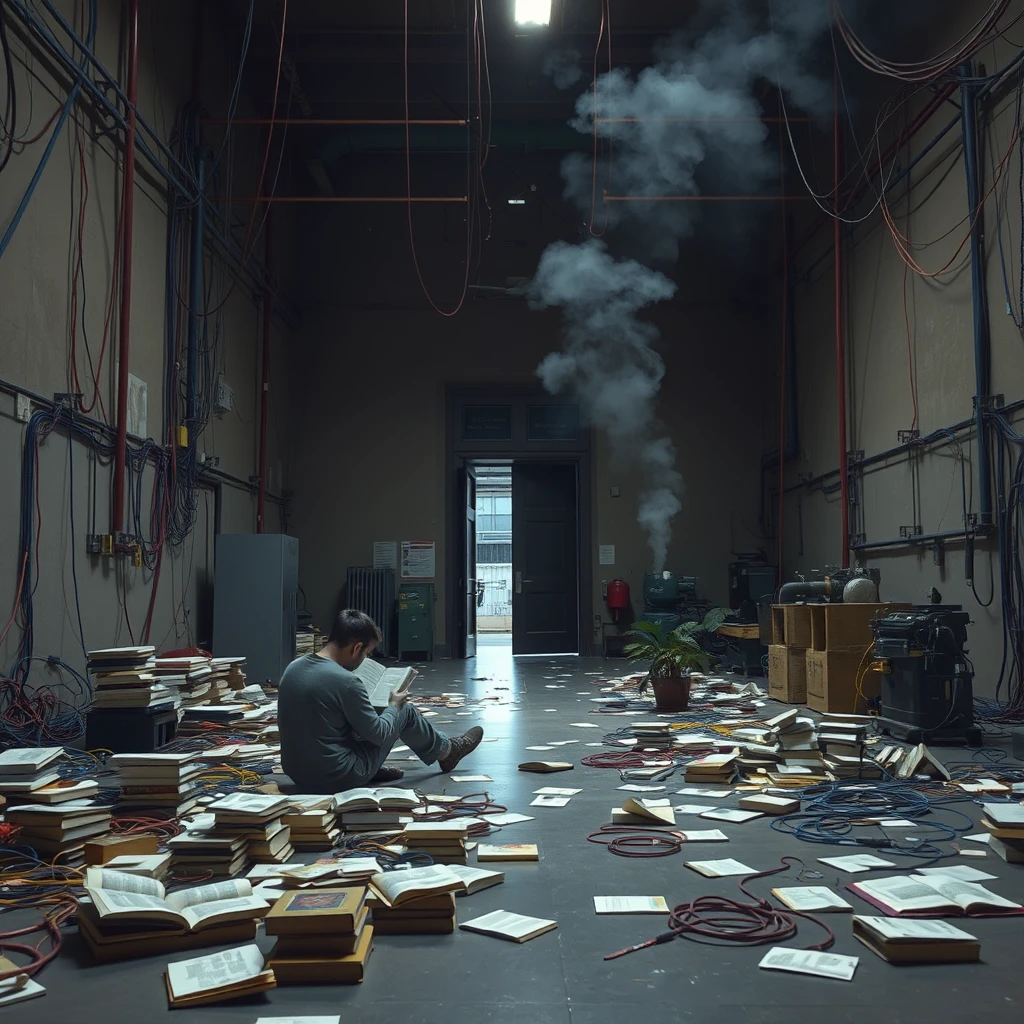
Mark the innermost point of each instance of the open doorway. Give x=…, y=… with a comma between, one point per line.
x=519, y=556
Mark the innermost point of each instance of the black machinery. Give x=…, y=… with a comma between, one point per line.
x=927, y=680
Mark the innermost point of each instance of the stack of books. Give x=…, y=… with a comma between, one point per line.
x=652, y=735
x=375, y=810
x=199, y=852
x=189, y=675
x=59, y=830
x=255, y=817
x=323, y=936
x=168, y=783
x=128, y=916
x=444, y=841
x=311, y=822
x=715, y=769
x=1005, y=825
x=123, y=677
x=220, y=678
x=420, y=901
x=308, y=641
x=27, y=772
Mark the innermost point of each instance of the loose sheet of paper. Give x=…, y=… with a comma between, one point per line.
x=856, y=863
x=630, y=905
x=800, y=961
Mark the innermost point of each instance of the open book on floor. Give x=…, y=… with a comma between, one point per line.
x=932, y=896
x=513, y=927
x=134, y=902
x=398, y=887
x=380, y=681
x=218, y=977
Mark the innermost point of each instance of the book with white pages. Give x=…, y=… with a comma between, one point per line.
x=630, y=905
x=380, y=681
x=398, y=887
x=26, y=760
x=502, y=924
x=856, y=863
x=817, y=899
x=720, y=868
x=474, y=879
x=728, y=814
x=802, y=961
x=704, y=835
x=933, y=896
x=135, y=900
x=900, y=941
x=18, y=987
x=961, y=872
x=218, y=976
x=549, y=801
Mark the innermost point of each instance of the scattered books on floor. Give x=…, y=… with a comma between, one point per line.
x=916, y=942
x=816, y=899
x=768, y=804
x=475, y=879
x=713, y=769
x=720, y=868
x=219, y=977
x=311, y=820
x=933, y=896
x=372, y=810
x=123, y=677
x=501, y=924
x=630, y=905
x=256, y=818
x=801, y=961
x=323, y=936
x=444, y=841
x=486, y=852
x=157, y=782
x=651, y=809
x=420, y=901
x=26, y=770
x=18, y=987
x=60, y=830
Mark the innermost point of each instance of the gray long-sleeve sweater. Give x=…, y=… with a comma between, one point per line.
x=329, y=729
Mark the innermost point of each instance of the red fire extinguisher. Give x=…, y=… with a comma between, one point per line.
x=617, y=597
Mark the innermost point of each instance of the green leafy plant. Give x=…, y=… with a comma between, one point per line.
x=674, y=653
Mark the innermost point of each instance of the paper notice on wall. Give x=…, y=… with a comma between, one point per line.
x=606, y=554
x=417, y=559
x=385, y=554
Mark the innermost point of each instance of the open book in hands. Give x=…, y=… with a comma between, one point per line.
x=123, y=899
x=933, y=896
x=380, y=681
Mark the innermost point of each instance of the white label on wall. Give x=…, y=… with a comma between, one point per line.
x=385, y=554
x=138, y=402
x=606, y=554
x=417, y=559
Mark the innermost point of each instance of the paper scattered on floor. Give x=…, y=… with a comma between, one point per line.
x=634, y=787
x=549, y=801
x=961, y=872
x=470, y=778
x=561, y=743
x=979, y=837
x=511, y=818
x=692, y=808
x=697, y=791
x=857, y=862
x=727, y=814
x=801, y=961
x=557, y=791
x=540, y=748
x=585, y=725
x=720, y=868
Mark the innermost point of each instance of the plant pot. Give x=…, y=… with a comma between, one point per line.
x=671, y=693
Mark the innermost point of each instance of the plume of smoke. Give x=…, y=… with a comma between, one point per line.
x=694, y=110
x=609, y=364
x=564, y=67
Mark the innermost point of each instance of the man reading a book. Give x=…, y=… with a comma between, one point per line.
x=332, y=739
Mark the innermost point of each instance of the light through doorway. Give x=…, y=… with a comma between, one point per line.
x=494, y=555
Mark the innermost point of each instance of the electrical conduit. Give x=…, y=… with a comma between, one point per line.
x=268, y=309
x=127, y=217
x=844, y=469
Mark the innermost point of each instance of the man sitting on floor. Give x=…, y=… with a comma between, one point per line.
x=332, y=739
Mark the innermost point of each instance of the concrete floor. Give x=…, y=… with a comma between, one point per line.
x=561, y=977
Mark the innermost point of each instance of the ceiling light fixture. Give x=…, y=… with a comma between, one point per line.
x=533, y=12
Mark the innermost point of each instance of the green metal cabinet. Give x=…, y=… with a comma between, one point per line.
x=416, y=619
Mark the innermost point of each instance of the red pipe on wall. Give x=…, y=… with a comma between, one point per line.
x=844, y=475
x=127, y=216
x=268, y=309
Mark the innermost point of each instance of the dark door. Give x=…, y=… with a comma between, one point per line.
x=545, y=606
x=467, y=562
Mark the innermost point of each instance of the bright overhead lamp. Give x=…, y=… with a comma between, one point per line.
x=533, y=12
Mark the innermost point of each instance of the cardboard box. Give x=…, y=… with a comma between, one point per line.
x=832, y=680
x=791, y=625
x=106, y=848
x=836, y=627
x=787, y=680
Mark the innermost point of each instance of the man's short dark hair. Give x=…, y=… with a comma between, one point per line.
x=353, y=626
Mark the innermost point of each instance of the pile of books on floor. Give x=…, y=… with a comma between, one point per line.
x=323, y=936
x=419, y=901
x=444, y=841
x=255, y=817
x=188, y=675
x=127, y=916
x=713, y=769
x=167, y=783
x=843, y=739
x=29, y=775
x=123, y=677
x=196, y=718
x=1005, y=825
x=652, y=735
x=59, y=830
x=199, y=851
x=227, y=675
x=311, y=821
x=382, y=809
x=308, y=641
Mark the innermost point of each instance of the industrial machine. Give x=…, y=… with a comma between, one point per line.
x=750, y=579
x=856, y=585
x=927, y=679
x=669, y=598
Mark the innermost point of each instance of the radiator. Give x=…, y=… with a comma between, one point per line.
x=373, y=591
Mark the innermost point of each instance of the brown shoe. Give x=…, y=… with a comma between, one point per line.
x=460, y=747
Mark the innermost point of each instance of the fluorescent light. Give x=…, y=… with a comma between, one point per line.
x=533, y=12
x=517, y=202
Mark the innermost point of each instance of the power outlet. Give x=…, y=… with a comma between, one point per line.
x=22, y=408
x=223, y=399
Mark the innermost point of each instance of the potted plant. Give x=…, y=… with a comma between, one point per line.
x=673, y=656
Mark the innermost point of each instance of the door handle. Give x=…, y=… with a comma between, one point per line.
x=520, y=581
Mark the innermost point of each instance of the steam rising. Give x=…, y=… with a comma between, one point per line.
x=564, y=67
x=693, y=113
